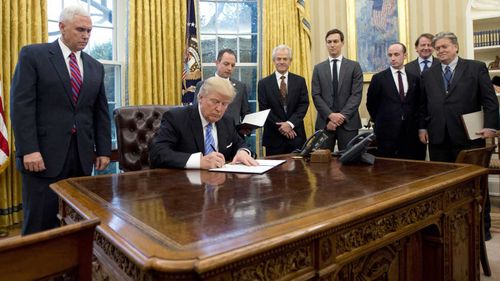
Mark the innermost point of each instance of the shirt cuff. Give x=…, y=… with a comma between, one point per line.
x=291, y=124
x=194, y=161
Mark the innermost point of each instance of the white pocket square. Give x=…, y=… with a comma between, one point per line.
x=229, y=145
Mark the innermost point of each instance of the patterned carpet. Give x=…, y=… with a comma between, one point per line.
x=495, y=222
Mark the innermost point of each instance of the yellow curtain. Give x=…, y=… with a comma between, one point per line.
x=156, y=48
x=21, y=22
x=287, y=22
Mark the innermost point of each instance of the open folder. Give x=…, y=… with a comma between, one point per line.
x=253, y=121
x=473, y=123
x=264, y=166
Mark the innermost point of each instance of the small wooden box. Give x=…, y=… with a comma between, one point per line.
x=321, y=156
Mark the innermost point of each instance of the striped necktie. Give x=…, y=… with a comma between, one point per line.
x=76, y=78
x=209, y=139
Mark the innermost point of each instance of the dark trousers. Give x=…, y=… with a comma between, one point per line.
x=40, y=203
x=406, y=146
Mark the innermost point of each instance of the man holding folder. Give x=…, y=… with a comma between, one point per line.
x=450, y=89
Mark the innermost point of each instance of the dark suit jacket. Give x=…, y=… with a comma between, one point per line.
x=414, y=68
x=386, y=109
x=238, y=107
x=181, y=134
x=297, y=105
x=349, y=93
x=470, y=90
x=43, y=114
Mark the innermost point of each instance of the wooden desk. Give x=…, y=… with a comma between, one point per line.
x=396, y=220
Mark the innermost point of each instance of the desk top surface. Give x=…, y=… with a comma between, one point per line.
x=190, y=214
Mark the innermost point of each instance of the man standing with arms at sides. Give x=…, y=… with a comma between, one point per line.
x=286, y=95
x=424, y=49
x=200, y=136
x=59, y=114
x=225, y=64
x=392, y=102
x=337, y=86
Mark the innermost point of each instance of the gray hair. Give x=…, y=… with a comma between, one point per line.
x=445, y=35
x=280, y=48
x=69, y=12
x=219, y=85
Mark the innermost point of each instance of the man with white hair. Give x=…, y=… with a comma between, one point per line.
x=286, y=95
x=200, y=136
x=59, y=114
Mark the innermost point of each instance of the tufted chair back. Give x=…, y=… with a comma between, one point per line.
x=135, y=128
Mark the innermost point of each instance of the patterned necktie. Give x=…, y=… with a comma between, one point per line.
x=401, y=88
x=76, y=78
x=209, y=139
x=447, y=77
x=426, y=65
x=283, y=90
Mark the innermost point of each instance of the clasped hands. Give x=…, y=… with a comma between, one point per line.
x=335, y=120
x=217, y=160
x=285, y=129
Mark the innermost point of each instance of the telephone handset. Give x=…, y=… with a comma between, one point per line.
x=313, y=142
x=356, y=149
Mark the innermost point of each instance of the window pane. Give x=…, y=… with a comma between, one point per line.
x=102, y=13
x=227, y=42
x=111, y=79
x=248, y=75
x=54, y=33
x=248, y=48
x=247, y=16
x=207, y=17
x=54, y=8
x=100, y=44
x=227, y=17
x=208, y=51
x=208, y=71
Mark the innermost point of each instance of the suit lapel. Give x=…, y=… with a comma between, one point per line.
x=327, y=75
x=390, y=80
x=196, y=128
x=344, y=68
x=459, y=71
x=57, y=59
x=86, y=75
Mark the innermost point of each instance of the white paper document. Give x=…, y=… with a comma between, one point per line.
x=473, y=123
x=264, y=166
x=254, y=120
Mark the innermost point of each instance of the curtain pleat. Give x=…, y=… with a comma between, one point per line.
x=156, y=48
x=22, y=22
x=287, y=22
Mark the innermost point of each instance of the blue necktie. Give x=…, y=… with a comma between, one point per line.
x=447, y=77
x=425, y=62
x=209, y=139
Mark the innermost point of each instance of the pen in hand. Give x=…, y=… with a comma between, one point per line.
x=213, y=148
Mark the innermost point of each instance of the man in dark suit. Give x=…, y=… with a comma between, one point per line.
x=286, y=95
x=225, y=63
x=392, y=102
x=200, y=136
x=337, y=86
x=450, y=89
x=424, y=49
x=59, y=114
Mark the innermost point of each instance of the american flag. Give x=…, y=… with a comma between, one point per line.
x=191, y=71
x=380, y=11
x=4, y=143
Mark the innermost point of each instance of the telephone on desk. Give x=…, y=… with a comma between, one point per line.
x=356, y=150
x=314, y=142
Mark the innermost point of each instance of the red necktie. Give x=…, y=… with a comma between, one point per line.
x=76, y=78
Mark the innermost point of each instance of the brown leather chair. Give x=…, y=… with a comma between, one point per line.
x=481, y=157
x=135, y=128
x=64, y=252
